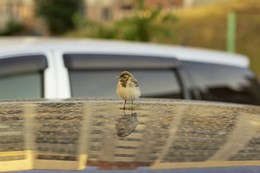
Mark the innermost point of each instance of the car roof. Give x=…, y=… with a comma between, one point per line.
x=69, y=45
x=159, y=135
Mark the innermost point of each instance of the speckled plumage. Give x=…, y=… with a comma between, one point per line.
x=127, y=87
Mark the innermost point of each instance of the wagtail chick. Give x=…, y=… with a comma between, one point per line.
x=127, y=87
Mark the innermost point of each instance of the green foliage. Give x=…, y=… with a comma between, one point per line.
x=93, y=29
x=138, y=27
x=145, y=26
x=59, y=15
x=13, y=27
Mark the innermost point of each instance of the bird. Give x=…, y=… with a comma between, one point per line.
x=127, y=87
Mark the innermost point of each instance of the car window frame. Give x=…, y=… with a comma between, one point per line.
x=94, y=59
x=195, y=89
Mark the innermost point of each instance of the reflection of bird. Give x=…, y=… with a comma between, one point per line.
x=127, y=87
x=126, y=125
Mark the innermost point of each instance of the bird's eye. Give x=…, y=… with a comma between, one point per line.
x=124, y=77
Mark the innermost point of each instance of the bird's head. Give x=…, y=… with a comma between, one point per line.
x=124, y=76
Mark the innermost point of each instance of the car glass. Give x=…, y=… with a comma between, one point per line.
x=94, y=135
x=22, y=77
x=102, y=83
x=224, y=83
x=28, y=85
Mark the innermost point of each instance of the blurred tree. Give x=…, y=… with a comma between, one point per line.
x=59, y=15
x=137, y=27
x=146, y=25
x=143, y=21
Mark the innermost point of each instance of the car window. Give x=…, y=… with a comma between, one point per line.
x=102, y=83
x=95, y=75
x=224, y=83
x=22, y=77
x=21, y=86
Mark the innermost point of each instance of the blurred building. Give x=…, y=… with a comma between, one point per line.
x=96, y=10
x=18, y=10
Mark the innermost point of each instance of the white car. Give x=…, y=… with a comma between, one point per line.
x=63, y=68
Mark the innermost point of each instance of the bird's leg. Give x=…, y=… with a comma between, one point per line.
x=132, y=105
x=124, y=105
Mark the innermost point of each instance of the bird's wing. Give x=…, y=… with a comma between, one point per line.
x=134, y=81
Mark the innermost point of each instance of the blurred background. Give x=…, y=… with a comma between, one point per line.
x=230, y=25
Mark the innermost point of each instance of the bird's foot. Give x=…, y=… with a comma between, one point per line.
x=125, y=108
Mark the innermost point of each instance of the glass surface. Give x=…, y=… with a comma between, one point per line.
x=22, y=76
x=102, y=83
x=95, y=135
x=21, y=86
x=224, y=83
